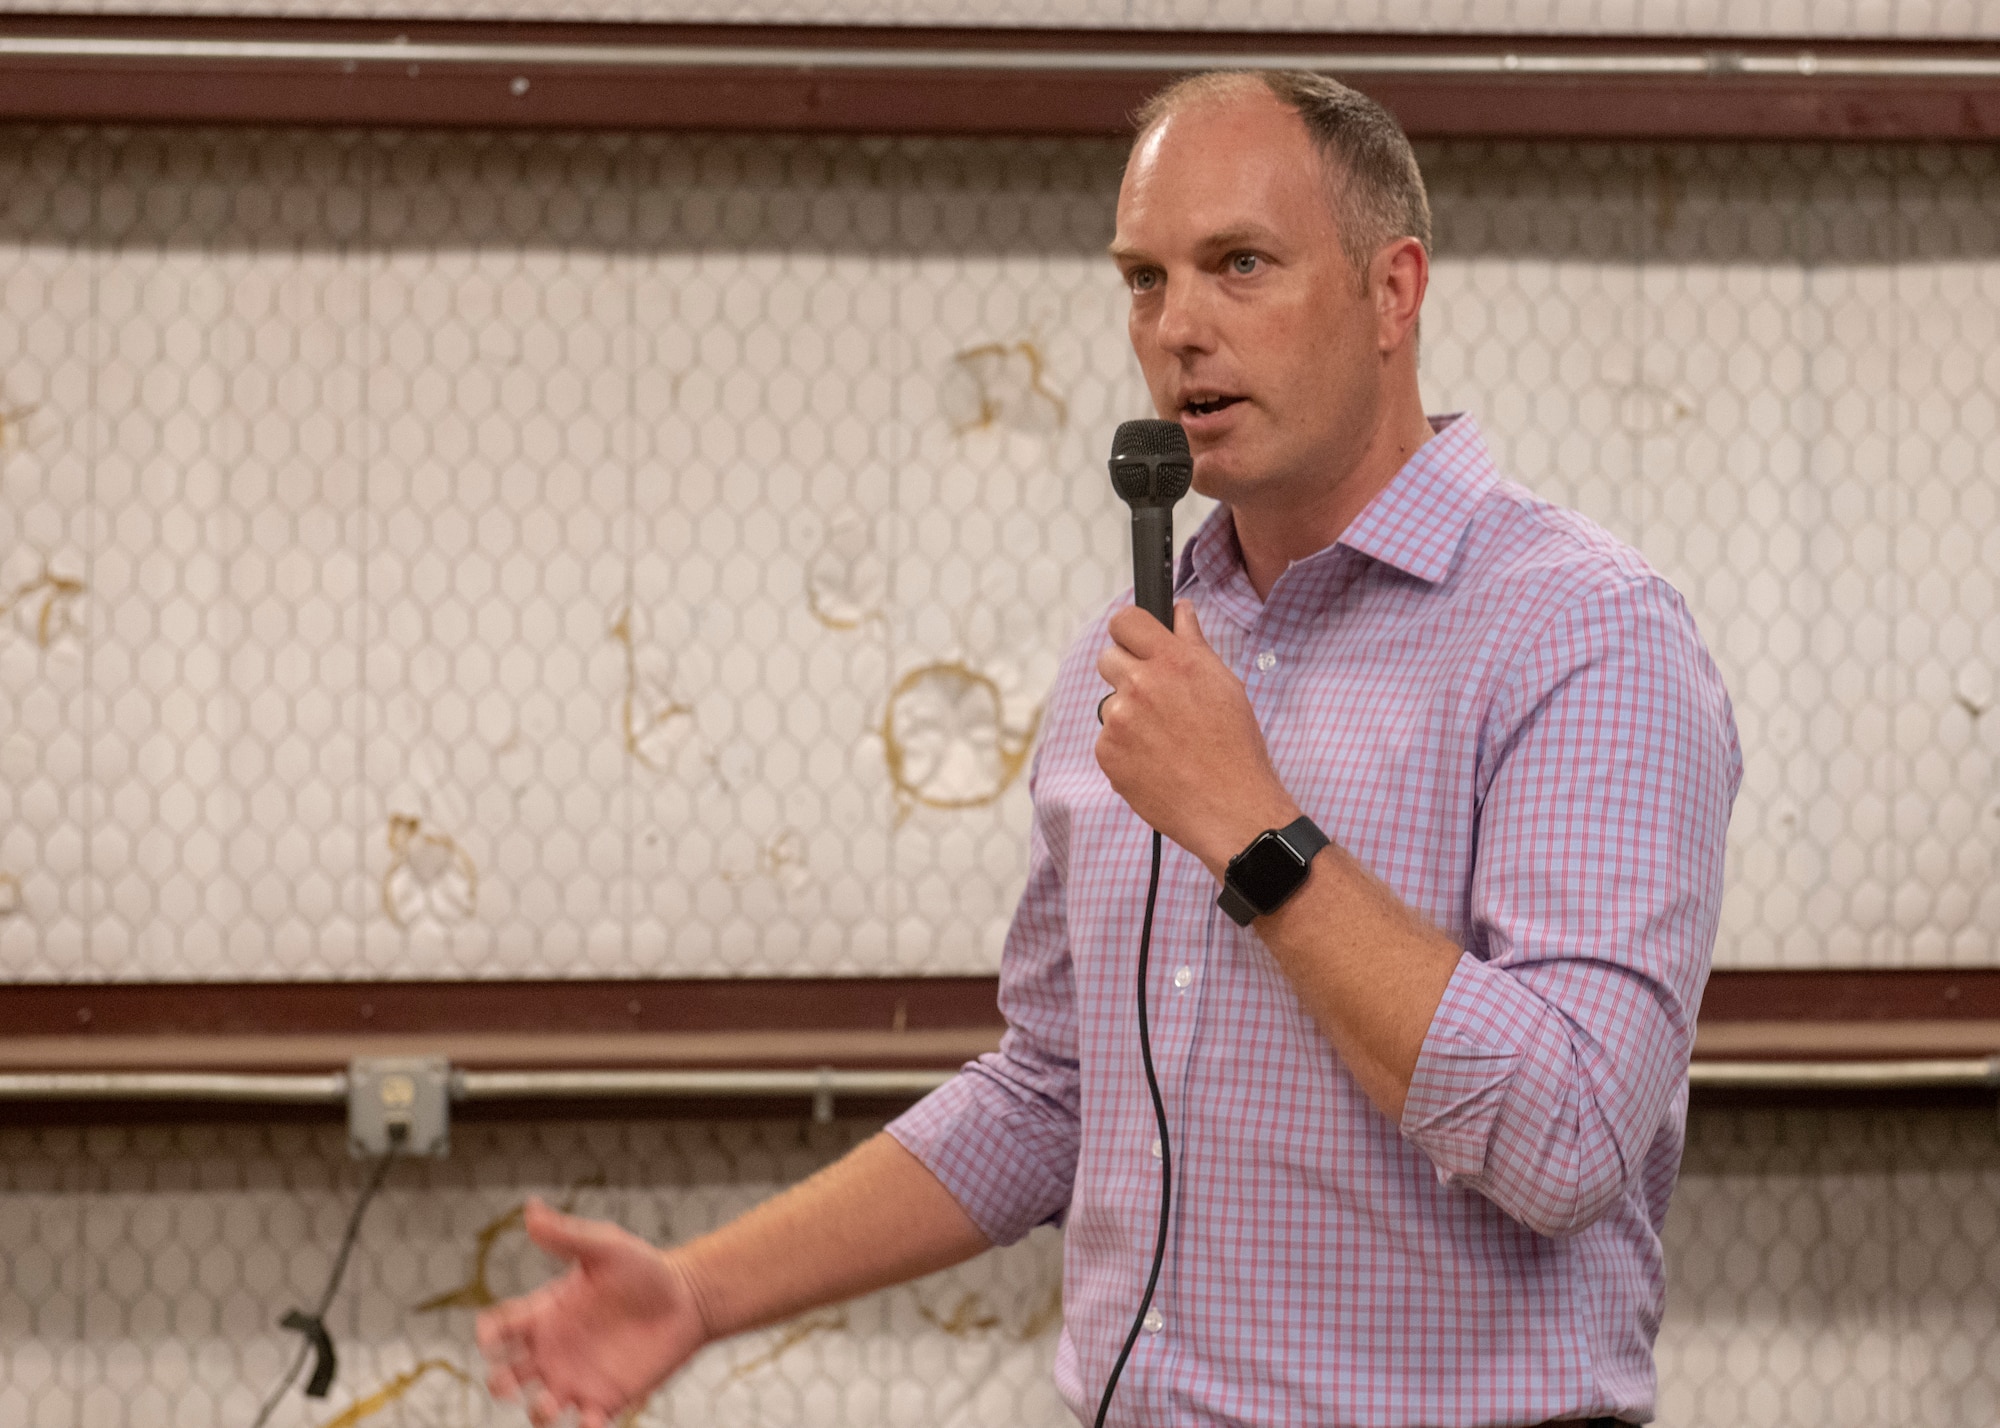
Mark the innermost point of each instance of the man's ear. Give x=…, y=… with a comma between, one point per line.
x=1398, y=276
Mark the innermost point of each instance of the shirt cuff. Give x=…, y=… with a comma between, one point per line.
x=1468, y=1059
x=964, y=1134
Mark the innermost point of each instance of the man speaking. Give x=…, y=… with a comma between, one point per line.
x=1445, y=773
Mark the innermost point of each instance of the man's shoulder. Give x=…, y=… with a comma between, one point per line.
x=1559, y=591
x=1528, y=551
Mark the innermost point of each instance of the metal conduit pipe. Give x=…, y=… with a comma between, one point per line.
x=505, y=1086
x=1718, y=64
x=287, y=1090
x=467, y=1086
x=645, y=1085
x=1845, y=1075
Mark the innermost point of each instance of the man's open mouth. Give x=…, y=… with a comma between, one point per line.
x=1208, y=405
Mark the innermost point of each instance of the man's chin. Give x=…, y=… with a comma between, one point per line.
x=1220, y=472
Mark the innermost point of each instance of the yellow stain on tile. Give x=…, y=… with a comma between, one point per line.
x=795, y=1333
x=476, y=1292
x=429, y=875
x=1003, y=384
x=946, y=740
x=649, y=707
x=1045, y=1316
x=396, y=1388
x=970, y=1316
x=847, y=580
x=781, y=857
x=12, y=420
x=1648, y=409
x=46, y=605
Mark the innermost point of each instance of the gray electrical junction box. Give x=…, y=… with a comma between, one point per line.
x=407, y=1093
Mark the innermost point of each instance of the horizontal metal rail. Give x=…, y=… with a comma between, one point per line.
x=1526, y=64
x=1845, y=1075
x=467, y=1086
x=287, y=1090
x=822, y=1084
x=646, y=1085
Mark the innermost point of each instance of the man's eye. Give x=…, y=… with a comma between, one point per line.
x=1243, y=264
x=1143, y=280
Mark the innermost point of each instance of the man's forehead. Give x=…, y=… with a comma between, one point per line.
x=1235, y=161
x=1241, y=112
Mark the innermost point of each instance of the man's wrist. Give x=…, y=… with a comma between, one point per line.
x=1240, y=829
x=700, y=1294
x=1270, y=870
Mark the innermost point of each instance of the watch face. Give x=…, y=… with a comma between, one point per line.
x=1267, y=871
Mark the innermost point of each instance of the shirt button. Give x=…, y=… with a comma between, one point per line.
x=1156, y=1147
x=1267, y=661
x=1154, y=1321
x=1183, y=978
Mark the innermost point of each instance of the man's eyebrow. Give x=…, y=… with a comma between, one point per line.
x=1246, y=234
x=1254, y=235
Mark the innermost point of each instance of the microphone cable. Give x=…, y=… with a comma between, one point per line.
x=318, y=1343
x=1166, y=1149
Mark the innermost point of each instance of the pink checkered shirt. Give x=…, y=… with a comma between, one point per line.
x=1510, y=718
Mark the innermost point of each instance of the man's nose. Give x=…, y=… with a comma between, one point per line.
x=1186, y=317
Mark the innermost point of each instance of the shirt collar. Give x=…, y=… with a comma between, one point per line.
x=1415, y=523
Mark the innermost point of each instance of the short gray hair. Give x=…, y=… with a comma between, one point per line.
x=1378, y=192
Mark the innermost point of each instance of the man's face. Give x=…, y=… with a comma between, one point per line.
x=1251, y=326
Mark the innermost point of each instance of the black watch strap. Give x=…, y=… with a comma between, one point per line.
x=1236, y=905
x=1275, y=865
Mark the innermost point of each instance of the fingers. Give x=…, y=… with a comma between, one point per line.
x=1188, y=624
x=1138, y=634
x=509, y=1360
x=500, y=1328
x=543, y=1410
x=1136, y=631
x=1113, y=664
x=504, y=1385
x=564, y=1236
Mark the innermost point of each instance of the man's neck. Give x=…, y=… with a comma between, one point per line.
x=1272, y=538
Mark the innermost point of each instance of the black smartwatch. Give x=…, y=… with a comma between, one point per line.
x=1271, y=869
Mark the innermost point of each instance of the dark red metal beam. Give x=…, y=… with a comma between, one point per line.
x=566, y=1008
x=939, y=100
x=936, y=1022
x=780, y=1005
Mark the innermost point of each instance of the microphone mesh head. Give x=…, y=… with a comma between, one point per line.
x=1150, y=463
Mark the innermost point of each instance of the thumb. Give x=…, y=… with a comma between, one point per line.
x=564, y=1236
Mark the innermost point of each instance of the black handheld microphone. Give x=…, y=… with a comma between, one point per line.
x=1151, y=468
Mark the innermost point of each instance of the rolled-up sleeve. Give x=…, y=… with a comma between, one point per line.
x=1002, y=1135
x=1609, y=764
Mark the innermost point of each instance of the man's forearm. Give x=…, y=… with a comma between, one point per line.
x=1368, y=969
x=873, y=1218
